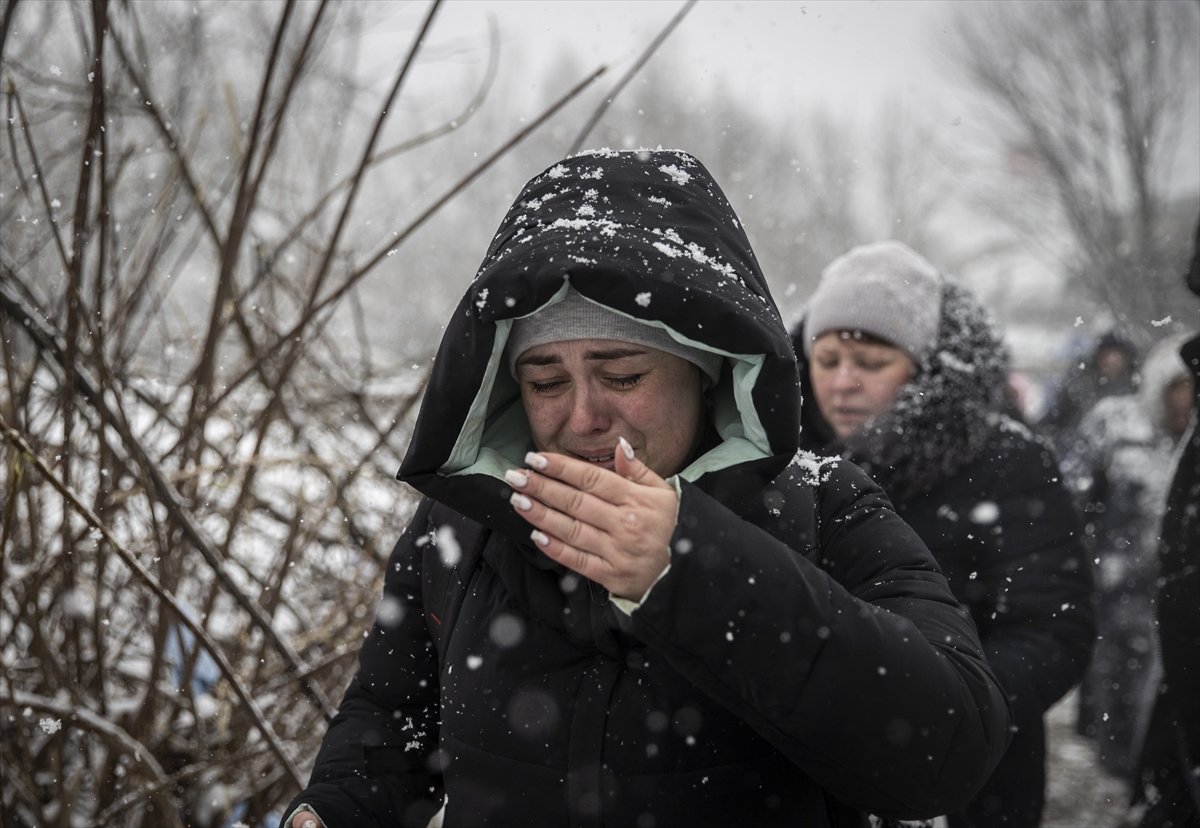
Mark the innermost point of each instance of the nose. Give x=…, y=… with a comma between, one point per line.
x=589, y=412
x=846, y=380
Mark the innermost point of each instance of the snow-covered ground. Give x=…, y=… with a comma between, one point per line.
x=1079, y=792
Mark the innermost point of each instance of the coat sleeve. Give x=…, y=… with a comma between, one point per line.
x=851, y=655
x=1039, y=626
x=375, y=765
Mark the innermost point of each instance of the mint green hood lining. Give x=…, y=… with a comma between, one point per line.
x=495, y=436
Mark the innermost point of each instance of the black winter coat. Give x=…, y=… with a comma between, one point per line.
x=1168, y=784
x=801, y=662
x=988, y=499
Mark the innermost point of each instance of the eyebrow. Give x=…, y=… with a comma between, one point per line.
x=598, y=355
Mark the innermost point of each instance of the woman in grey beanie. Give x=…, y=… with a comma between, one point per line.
x=909, y=379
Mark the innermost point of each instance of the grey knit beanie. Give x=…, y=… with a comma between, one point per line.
x=886, y=290
x=578, y=318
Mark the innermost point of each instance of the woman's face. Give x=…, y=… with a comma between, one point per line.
x=1177, y=400
x=580, y=396
x=855, y=379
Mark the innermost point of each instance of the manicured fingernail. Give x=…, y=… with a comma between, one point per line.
x=536, y=460
x=516, y=478
x=521, y=502
x=539, y=537
x=309, y=823
x=625, y=447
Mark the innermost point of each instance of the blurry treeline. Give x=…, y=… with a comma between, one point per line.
x=229, y=234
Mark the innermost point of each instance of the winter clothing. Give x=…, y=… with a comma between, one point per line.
x=985, y=495
x=577, y=318
x=801, y=661
x=1083, y=386
x=1121, y=466
x=1168, y=784
x=885, y=289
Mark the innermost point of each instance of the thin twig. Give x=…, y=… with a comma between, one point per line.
x=411, y=228
x=628, y=76
x=86, y=719
x=15, y=439
x=50, y=344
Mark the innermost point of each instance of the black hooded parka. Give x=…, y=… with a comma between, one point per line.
x=801, y=662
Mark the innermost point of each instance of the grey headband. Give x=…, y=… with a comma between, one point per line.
x=578, y=318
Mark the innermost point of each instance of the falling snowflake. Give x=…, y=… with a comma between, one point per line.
x=50, y=726
x=447, y=544
x=643, y=299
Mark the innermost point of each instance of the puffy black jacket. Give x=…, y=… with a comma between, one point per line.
x=1168, y=783
x=987, y=497
x=803, y=660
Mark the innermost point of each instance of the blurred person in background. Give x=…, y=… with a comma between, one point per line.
x=1167, y=787
x=909, y=380
x=1111, y=369
x=625, y=598
x=1120, y=467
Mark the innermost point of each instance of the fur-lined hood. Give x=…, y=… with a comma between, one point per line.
x=941, y=419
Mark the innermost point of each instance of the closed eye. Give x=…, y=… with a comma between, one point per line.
x=873, y=366
x=627, y=381
x=545, y=387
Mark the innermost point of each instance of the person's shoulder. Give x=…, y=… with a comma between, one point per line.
x=834, y=481
x=1113, y=407
x=1117, y=419
x=1008, y=447
x=1016, y=453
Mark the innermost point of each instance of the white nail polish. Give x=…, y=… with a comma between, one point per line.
x=625, y=447
x=539, y=537
x=517, y=479
x=536, y=460
x=521, y=502
x=309, y=823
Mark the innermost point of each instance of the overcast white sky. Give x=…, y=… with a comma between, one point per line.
x=781, y=56
x=847, y=54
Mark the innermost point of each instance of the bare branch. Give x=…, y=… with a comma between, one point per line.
x=628, y=76
x=164, y=596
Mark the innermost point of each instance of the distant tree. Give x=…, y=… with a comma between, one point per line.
x=808, y=185
x=1084, y=102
